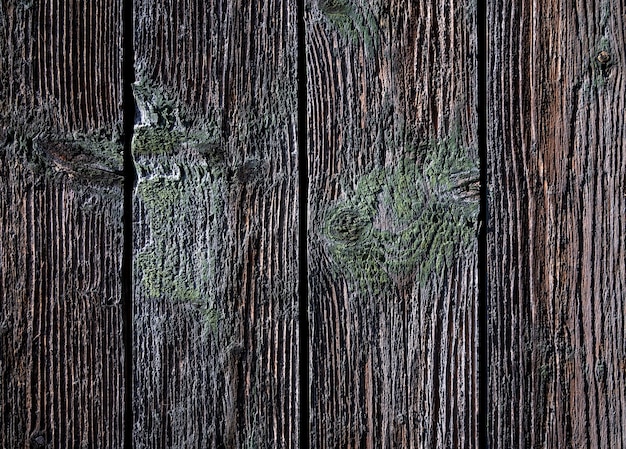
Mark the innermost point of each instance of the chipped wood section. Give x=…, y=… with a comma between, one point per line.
x=556, y=231
x=61, y=349
x=216, y=337
x=393, y=165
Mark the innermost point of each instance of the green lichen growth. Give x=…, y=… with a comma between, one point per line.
x=166, y=125
x=178, y=263
x=162, y=126
x=408, y=222
x=211, y=317
x=161, y=275
x=155, y=140
x=350, y=21
x=181, y=168
x=156, y=105
x=103, y=150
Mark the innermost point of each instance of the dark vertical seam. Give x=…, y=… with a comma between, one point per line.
x=128, y=106
x=303, y=200
x=483, y=294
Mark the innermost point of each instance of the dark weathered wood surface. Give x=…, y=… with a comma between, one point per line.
x=216, y=336
x=392, y=224
x=61, y=350
x=393, y=164
x=557, y=224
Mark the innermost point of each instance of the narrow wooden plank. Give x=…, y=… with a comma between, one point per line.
x=216, y=225
x=61, y=348
x=556, y=233
x=393, y=217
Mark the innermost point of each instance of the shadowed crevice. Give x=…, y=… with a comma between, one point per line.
x=128, y=78
x=303, y=192
x=483, y=296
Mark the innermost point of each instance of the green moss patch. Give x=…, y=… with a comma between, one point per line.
x=166, y=125
x=178, y=262
x=180, y=165
x=350, y=21
x=156, y=105
x=155, y=140
x=405, y=223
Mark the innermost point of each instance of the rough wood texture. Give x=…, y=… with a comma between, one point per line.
x=216, y=337
x=393, y=210
x=61, y=354
x=556, y=232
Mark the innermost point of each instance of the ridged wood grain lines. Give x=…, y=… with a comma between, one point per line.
x=393, y=164
x=216, y=225
x=61, y=348
x=556, y=202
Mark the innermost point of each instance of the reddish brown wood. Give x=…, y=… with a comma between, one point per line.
x=556, y=230
x=61, y=349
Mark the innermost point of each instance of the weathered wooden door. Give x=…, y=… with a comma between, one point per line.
x=324, y=224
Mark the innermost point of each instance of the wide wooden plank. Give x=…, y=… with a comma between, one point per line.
x=61, y=349
x=556, y=232
x=215, y=316
x=393, y=163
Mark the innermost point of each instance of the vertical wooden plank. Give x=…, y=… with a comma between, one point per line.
x=393, y=164
x=557, y=227
x=216, y=242
x=61, y=348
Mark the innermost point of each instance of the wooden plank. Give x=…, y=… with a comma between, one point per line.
x=556, y=232
x=393, y=215
x=61, y=348
x=216, y=208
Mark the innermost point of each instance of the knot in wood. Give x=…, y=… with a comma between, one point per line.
x=37, y=440
x=250, y=171
x=604, y=57
x=347, y=225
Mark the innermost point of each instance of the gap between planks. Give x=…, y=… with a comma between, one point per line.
x=303, y=201
x=130, y=175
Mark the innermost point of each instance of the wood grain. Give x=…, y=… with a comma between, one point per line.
x=61, y=349
x=216, y=272
x=393, y=164
x=556, y=202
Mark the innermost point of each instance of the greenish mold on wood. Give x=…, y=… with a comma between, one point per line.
x=406, y=223
x=171, y=265
x=165, y=125
x=351, y=22
x=181, y=183
x=156, y=105
x=159, y=129
x=155, y=140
